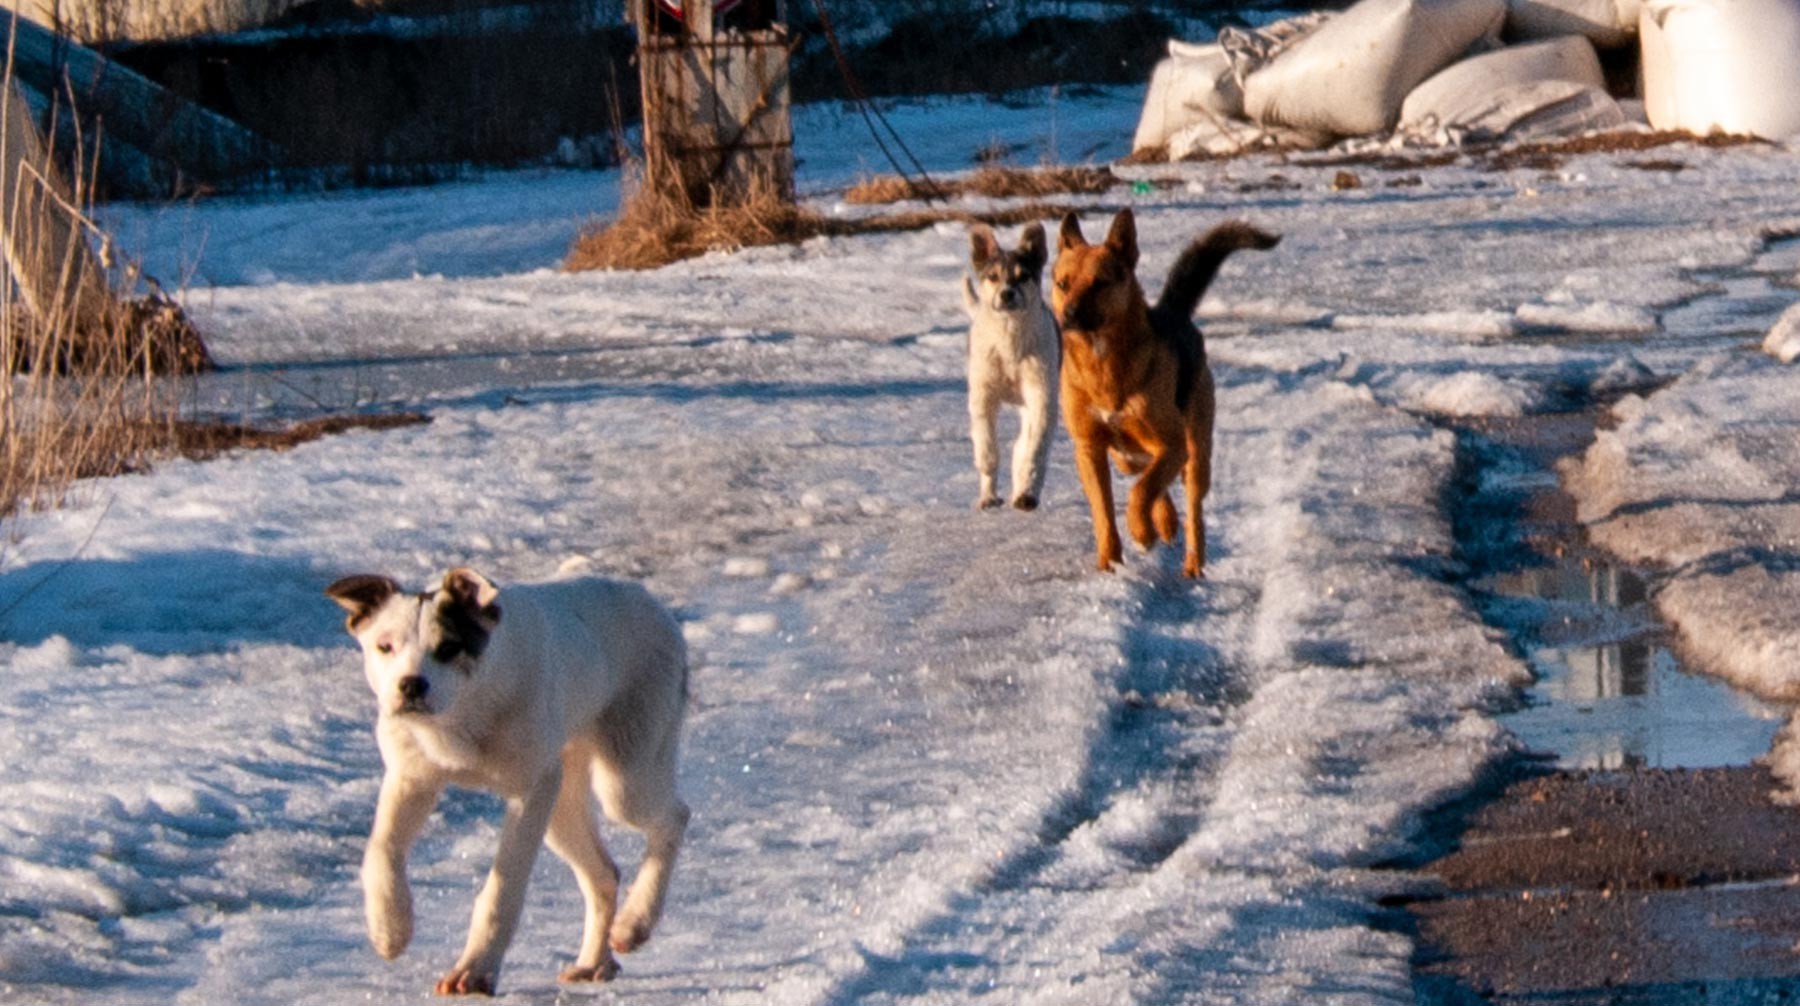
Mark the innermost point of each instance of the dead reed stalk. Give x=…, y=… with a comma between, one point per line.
x=81, y=391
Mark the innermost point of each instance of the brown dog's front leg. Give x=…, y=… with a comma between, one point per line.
x=1151, y=489
x=1096, y=482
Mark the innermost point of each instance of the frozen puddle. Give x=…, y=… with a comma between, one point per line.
x=1610, y=693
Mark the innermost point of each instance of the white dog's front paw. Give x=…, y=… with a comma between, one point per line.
x=466, y=982
x=629, y=932
x=605, y=971
x=388, y=904
x=987, y=501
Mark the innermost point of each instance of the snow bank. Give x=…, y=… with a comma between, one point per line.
x=1699, y=479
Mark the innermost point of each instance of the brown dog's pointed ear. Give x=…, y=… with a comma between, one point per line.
x=1122, y=239
x=1069, y=234
x=1032, y=251
x=361, y=595
x=983, y=246
x=474, y=594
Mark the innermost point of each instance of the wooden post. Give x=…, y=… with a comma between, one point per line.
x=717, y=125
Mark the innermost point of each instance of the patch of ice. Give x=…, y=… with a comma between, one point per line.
x=746, y=567
x=1473, y=393
x=760, y=623
x=1468, y=324
x=1783, y=340
x=1598, y=317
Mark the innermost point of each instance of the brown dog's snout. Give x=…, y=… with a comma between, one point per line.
x=1079, y=314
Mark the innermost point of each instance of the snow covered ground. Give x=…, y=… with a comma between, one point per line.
x=933, y=757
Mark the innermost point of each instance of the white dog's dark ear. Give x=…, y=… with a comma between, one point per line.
x=1069, y=234
x=1122, y=238
x=1032, y=250
x=361, y=595
x=983, y=246
x=475, y=595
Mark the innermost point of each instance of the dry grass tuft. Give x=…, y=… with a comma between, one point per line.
x=203, y=440
x=993, y=181
x=149, y=335
x=1548, y=155
x=654, y=229
x=883, y=189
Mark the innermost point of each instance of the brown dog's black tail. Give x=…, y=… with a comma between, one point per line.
x=1195, y=269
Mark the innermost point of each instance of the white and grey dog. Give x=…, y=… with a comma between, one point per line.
x=1014, y=357
x=550, y=694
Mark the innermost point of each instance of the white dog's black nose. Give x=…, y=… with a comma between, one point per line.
x=413, y=688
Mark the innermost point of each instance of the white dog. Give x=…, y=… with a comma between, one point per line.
x=1014, y=356
x=549, y=694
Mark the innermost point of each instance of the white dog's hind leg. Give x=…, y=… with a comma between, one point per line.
x=400, y=814
x=1031, y=452
x=501, y=899
x=642, y=794
x=575, y=837
x=644, y=905
x=983, y=404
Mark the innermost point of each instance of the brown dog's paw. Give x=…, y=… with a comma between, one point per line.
x=1138, y=523
x=606, y=971
x=466, y=983
x=1192, y=568
x=1026, y=502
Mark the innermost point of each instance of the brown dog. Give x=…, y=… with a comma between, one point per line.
x=1135, y=383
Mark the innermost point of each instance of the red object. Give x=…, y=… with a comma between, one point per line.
x=720, y=7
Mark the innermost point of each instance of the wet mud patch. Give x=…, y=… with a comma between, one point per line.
x=1650, y=886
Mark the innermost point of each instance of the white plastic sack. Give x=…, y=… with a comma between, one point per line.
x=1722, y=65
x=1192, y=85
x=1540, y=110
x=1464, y=94
x=1606, y=23
x=1231, y=137
x=1349, y=77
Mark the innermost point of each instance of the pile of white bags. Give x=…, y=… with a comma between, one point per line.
x=1609, y=24
x=1349, y=76
x=1449, y=71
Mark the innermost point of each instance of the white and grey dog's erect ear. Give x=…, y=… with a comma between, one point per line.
x=984, y=247
x=361, y=595
x=474, y=595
